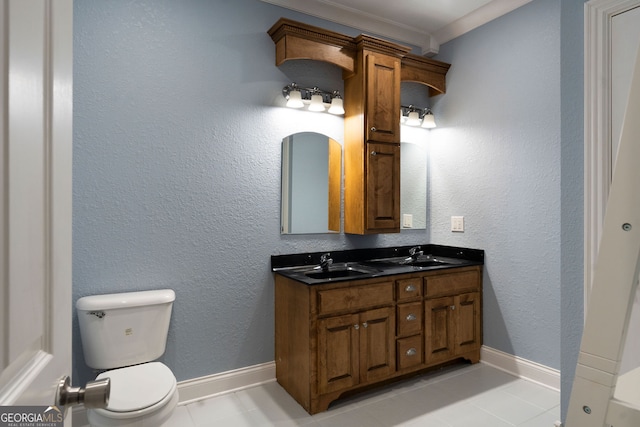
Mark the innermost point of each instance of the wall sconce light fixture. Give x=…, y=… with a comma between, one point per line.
x=316, y=99
x=413, y=116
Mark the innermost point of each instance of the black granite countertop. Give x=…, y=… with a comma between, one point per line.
x=358, y=264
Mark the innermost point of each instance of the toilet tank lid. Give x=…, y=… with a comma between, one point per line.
x=125, y=300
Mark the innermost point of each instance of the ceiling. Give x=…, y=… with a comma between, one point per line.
x=423, y=23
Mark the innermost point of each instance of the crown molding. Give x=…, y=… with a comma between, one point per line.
x=357, y=19
x=428, y=42
x=475, y=19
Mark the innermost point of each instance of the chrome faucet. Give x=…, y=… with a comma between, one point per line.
x=325, y=261
x=414, y=253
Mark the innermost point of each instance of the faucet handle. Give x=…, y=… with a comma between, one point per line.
x=325, y=260
x=415, y=251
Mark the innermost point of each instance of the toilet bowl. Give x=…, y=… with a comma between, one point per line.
x=123, y=334
x=141, y=396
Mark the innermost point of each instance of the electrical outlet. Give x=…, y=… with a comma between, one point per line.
x=407, y=220
x=457, y=223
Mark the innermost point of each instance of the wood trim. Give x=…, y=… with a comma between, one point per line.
x=426, y=71
x=378, y=45
x=335, y=179
x=295, y=40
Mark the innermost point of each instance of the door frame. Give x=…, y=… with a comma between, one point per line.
x=598, y=156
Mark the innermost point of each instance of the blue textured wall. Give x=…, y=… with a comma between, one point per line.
x=496, y=160
x=572, y=193
x=515, y=104
x=178, y=123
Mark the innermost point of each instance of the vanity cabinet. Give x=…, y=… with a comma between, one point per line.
x=340, y=337
x=355, y=349
x=452, y=322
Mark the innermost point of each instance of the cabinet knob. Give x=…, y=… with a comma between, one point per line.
x=373, y=129
x=412, y=352
x=453, y=307
x=356, y=326
x=410, y=288
x=365, y=324
x=411, y=317
x=373, y=153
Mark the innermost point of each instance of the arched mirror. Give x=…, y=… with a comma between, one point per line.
x=311, y=181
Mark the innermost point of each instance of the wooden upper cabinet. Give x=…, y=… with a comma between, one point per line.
x=382, y=203
x=373, y=70
x=382, y=105
x=372, y=139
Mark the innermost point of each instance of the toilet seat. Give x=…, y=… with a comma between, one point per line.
x=138, y=390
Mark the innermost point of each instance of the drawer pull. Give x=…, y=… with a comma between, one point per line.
x=373, y=129
x=412, y=352
x=365, y=324
x=356, y=326
x=411, y=317
x=453, y=307
x=410, y=288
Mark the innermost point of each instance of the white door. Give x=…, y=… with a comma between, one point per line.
x=625, y=39
x=35, y=199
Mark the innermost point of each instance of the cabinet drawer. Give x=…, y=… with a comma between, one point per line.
x=409, y=321
x=409, y=352
x=408, y=289
x=354, y=298
x=449, y=284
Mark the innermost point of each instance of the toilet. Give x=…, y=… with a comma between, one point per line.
x=123, y=334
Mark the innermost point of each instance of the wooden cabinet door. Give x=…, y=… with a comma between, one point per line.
x=383, y=187
x=338, y=353
x=439, y=329
x=377, y=344
x=468, y=335
x=382, y=99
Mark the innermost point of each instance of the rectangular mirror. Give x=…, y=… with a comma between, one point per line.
x=311, y=182
x=413, y=184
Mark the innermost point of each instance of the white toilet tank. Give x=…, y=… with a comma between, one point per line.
x=124, y=329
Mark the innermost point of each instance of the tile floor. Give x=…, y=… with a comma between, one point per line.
x=464, y=396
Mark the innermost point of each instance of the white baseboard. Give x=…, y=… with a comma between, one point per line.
x=206, y=387
x=225, y=382
x=521, y=368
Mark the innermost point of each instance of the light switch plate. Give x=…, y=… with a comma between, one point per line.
x=407, y=221
x=457, y=223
